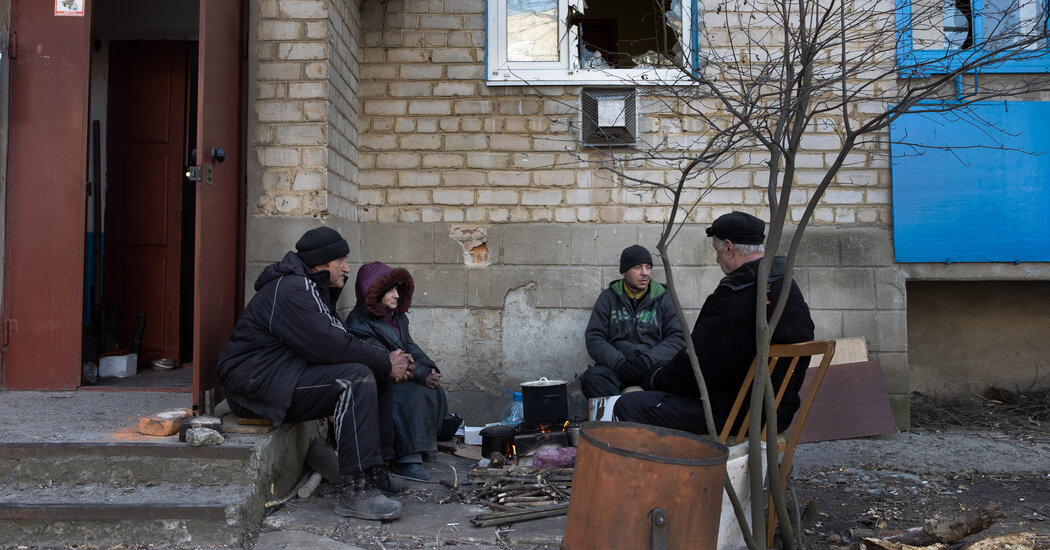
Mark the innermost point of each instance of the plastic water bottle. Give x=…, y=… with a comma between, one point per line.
x=514, y=412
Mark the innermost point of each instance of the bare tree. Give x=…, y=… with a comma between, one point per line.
x=767, y=74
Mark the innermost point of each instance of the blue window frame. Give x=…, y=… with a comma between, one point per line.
x=939, y=36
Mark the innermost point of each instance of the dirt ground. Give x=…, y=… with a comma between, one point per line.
x=879, y=497
x=959, y=456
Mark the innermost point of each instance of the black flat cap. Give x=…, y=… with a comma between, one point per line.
x=739, y=228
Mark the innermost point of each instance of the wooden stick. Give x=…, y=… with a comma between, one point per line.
x=501, y=518
x=311, y=484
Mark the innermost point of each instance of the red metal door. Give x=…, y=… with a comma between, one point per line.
x=146, y=131
x=217, y=217
x=46, y=178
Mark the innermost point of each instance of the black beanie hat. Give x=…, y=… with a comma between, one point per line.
x=634, y=255
x=739, y=228
x=321, y=245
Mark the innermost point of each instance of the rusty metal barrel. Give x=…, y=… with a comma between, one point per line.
x=644, y=487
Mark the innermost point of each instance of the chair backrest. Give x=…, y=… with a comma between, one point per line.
x=791, y=353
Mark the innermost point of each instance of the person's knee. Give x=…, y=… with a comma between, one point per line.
x=356, y=372
x=599, y=381
x=634, y=406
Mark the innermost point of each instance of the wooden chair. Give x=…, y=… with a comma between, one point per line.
x=791, y=353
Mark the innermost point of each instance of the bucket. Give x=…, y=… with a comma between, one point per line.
x=644, y=487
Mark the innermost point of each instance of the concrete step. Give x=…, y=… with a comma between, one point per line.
x=56, y=514
x=125, y=462
x=54, y=494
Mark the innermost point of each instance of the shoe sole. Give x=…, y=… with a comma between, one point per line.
x=374, y=517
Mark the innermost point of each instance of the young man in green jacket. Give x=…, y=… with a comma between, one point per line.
x=633, y=329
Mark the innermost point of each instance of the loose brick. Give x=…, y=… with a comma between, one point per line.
x=163, y=424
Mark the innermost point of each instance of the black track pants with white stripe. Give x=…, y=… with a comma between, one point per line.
x=362, y=407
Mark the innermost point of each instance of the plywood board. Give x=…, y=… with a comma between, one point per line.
x=852, y=402
x=847, y=350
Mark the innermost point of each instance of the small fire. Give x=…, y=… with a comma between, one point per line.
x=513, y=451
x=547, y=429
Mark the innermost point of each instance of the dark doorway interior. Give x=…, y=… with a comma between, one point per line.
x=140, y=296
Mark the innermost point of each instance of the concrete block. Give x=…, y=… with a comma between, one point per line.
x=273, y=236
x=600, y=245
x=892, y=334
x=886, y=331
x=842, y=288
x=800, y=276
x=557, y=287
x=563, y=354
x=440, y=286
x=397, y=243
x=827, y=324
x=693, y=284
x=820, y=247
x=890, y=288
x=862, y=246
x=901, y=405
x=894, y=371
x=537, y=244
x=691, y=246
x=118, y=366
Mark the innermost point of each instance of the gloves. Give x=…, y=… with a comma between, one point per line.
x=634, y=368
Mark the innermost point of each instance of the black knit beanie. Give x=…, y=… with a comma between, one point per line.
x=634, y=255
x=321, y=245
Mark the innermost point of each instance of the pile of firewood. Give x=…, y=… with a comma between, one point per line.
x=520, y=493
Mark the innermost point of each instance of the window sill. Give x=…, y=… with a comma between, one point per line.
x=589, y=77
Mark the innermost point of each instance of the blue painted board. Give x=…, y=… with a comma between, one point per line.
x=987, y=199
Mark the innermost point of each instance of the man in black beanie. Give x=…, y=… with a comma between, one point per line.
x=633, y=329
x=724, y=338
x=290, y=359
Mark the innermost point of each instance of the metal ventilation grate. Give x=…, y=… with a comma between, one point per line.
x=609, y=116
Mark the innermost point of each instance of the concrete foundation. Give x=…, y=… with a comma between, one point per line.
x=964, y=337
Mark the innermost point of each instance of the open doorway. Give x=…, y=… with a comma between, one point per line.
x=138, y=282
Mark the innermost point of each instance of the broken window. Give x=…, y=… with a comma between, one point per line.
x=932, y=29
x=623, y=34
x=587, y=42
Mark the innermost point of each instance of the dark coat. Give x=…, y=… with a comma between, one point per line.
x=617, y=328
x=287, y=326
x=418, y=409
x=724, y=339
x=371, y=321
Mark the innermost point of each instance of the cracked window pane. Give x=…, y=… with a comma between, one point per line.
x=623, y=34
x=532, y=30
x=1008, y=22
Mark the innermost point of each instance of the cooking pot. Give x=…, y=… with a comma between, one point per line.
x=545, y=401
x=498, y=438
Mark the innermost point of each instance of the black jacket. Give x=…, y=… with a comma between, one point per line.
x=287, y=326
x=724, y=339
x=617, y=328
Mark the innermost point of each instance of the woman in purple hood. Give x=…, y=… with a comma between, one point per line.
x=384, y=295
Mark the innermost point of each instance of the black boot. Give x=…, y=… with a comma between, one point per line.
x=361, y=499
x=388, y=484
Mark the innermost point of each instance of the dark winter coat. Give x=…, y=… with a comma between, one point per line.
x=373, y=322
x=617, y=327
x=418, y=409
x=724, y=339
x=287, y=326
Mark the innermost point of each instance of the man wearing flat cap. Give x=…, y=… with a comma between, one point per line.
x=291, y=359
x=724, y=338
x=633, y=329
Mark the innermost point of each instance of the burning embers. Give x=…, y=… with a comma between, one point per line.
x=521, y=441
